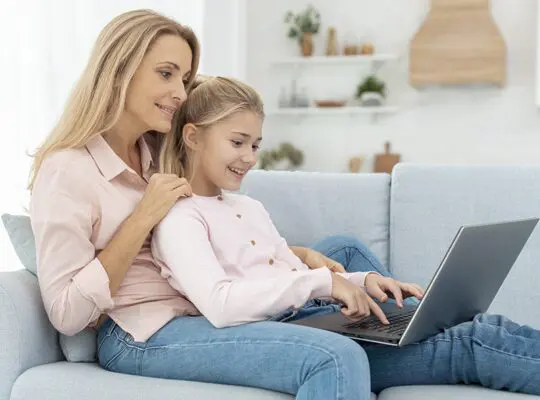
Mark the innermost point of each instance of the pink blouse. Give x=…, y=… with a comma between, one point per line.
x=80, y=198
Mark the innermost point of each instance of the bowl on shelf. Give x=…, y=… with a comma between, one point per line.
x=330, y=103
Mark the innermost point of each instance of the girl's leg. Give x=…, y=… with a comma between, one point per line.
x=491, y=351
x=351, y=253
x=311, y=363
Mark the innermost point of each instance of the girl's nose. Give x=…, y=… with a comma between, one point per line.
x=250, y=158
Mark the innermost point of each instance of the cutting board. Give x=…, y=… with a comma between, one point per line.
x=386, y=161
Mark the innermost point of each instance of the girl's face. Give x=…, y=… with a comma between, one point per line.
x=225, y=152
x=157, y=88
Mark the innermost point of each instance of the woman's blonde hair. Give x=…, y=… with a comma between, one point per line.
x=211, y=99
x=98, y=98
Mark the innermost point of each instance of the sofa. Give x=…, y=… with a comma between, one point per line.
x=407, y=218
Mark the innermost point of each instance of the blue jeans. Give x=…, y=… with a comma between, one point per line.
x=314, y=364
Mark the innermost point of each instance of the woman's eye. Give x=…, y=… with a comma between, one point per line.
x=255, y=147
x=237, y=143
x=165, y=74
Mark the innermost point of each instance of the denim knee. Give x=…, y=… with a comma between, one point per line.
x=349, y=362
x=491, y=319
x=344, y=241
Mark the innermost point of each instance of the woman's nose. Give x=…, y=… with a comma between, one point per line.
x=180, y=94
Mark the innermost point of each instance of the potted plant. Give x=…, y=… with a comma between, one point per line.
x=284, y=157
x=371, y=91
x=303, y=26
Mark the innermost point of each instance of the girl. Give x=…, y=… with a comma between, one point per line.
x=223, y=253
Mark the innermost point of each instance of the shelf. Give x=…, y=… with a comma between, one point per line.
x=334, y=60
x=349, y=110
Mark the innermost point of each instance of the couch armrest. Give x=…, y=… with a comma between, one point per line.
x=27, y=338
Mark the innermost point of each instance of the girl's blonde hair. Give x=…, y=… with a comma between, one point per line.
x=211, y=99
x=98, y=98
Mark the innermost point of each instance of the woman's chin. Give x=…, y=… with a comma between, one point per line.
x=162, y=127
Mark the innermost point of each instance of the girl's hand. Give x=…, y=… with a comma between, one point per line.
x=380, y=288
x=314, y=260
x=356, y=303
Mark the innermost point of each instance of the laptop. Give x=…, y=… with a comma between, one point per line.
x=466, y=282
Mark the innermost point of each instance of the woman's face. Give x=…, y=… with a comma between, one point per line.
x=158, y=87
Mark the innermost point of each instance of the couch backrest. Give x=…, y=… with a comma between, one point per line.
x=429, y=203
x=307, y=206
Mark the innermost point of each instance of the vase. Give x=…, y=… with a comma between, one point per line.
x=307, y=44
x=371, y=99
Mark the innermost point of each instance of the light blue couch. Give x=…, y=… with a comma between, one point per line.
x=407, y=219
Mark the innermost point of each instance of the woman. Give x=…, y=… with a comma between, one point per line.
x=96, y=195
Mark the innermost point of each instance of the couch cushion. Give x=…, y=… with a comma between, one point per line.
x=78, y=348
x=428, y=205
x=62, y=380
x=20, y=233
x=307, y=206
x=27, y=338
x=65, y=381
x=81, y=347
x=449, y=392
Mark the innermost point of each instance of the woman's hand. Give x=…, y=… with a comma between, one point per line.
x=161, y=194
x=314, y=260
x=380, y=287
x=356, y=302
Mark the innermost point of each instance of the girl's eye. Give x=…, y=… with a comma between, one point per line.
x=255, y=147
x=237, y=143
x=165, y=74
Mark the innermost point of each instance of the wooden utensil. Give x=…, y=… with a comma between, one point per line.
x=385, y=162
x=329, y=103
x=355, y=164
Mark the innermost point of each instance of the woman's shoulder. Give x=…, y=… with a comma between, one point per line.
x=71, y=170
x=73, y=161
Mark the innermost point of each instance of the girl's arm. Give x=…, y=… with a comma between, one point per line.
x=295, y=255
x=181, y=245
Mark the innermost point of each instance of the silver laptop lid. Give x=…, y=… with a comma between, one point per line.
x=469, y=276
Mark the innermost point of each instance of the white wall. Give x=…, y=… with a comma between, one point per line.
x=466, y=125
x=224, y=41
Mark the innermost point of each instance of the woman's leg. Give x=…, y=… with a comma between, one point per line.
x=491, y=351
x=351, y=253
x=311, y=363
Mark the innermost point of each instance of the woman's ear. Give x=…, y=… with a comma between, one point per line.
x=190, y=134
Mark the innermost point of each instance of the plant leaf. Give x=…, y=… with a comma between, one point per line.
x=293, y=33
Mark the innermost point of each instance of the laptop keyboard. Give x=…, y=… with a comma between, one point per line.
x=398, y=322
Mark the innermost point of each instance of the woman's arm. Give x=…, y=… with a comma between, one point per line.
x=124, y=246
x=181, y=245
x=76, y=285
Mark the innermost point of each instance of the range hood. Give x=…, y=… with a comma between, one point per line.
x=458, y=44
